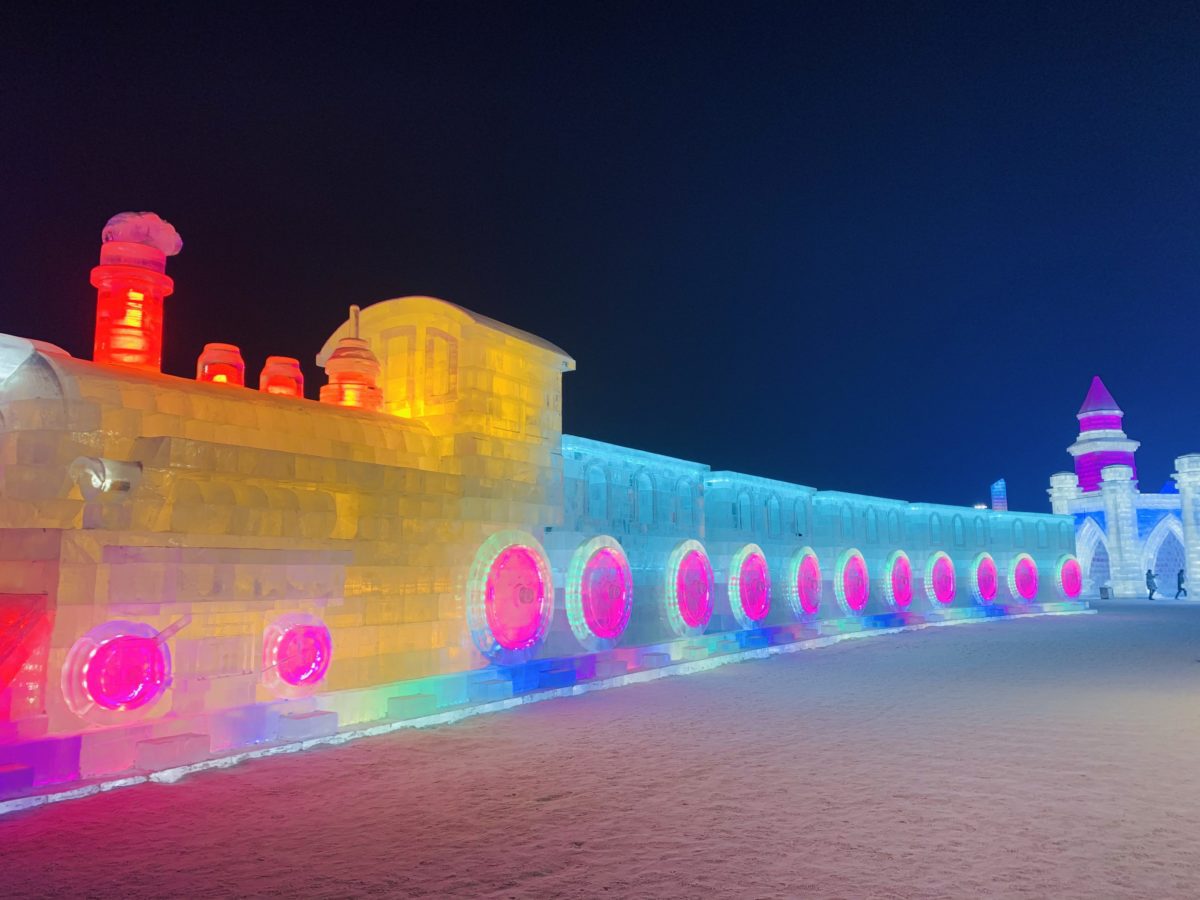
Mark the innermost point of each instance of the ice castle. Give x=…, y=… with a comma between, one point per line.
x=193, y=570
x=1120, y=532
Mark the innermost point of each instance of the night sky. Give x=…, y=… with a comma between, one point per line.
x=870, y=248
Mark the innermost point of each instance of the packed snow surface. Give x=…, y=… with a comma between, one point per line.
x=1042, y=757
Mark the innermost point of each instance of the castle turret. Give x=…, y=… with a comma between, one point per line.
x=1102, y=441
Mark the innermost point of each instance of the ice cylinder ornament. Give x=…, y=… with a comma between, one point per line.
x=510, y=596
x=281, y=376
x=1069, y=575
x=897, y=580
x=297, y=652
x=851, y=582
x=353, y=372
x=803, y=587
x=750, y=586
x=687, y=593
x=115, y=670
x=1023, y=578
x=985, y=578
x=131, y=282
x=939, y=579
x=599, y=595
x=221, y=364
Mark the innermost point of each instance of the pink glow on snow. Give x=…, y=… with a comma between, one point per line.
x=515, y=598
x=943, y=580
x=126, y=672
x=606, y=595
x=986, y=579
x=808, y=584
x=902, y=592
x=1071, y=575
x=693, y=590
x=1026, y=578
x=303, y=653
x=855, y=584
x=754, y=588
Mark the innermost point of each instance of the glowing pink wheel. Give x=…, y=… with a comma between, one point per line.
x=899, y=583
x=515, y=598
x=126, y=672
x=852, y=586
x=1024, y=577
x=693, y=590
x=606, y=594
x=302, y=654
x=940, y=579
x=1070, y=577
x=749, y=586
x=986, y=578
x=808, y=582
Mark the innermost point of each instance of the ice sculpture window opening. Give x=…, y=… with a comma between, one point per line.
x=939, y=579
x=597, y=494
x=893, y=527
x=774, y=517
x=1043, y=536
x=750, y=586
x=935, y=528
x=745, y=513
x=847, y=522
x=872, y=526
x=599, y=594
x=688, y=589
x=683, y=491
x=644, y=487
x=851, y=582
x=897, y=580
x=960, y=532
x=1018, y=532
x=980, y=531
x=510, y=596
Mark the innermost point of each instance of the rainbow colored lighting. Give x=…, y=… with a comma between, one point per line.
x=897, y=580
x=985, y=580
x=851, y=581
x=1069, y=576
x=510, y=595
x=750, y=586
x=599, y=595
x=1023, y=577
x=939, y=579
x=689, y=588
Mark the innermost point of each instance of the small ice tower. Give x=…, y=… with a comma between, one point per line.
x=282, y=376
x=221, y=364
x=353, y=372
x=1102, y=441
x=131, y=282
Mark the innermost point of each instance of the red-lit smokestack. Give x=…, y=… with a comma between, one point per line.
x=131, y=282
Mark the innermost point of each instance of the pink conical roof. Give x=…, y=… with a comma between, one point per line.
x=1098, y=399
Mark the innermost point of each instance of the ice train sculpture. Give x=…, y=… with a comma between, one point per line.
x=191, y=567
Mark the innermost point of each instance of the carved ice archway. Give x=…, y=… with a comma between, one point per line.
x=1167, y=525
x=1089, y=538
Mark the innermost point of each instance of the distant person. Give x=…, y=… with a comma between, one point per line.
x=1179, y=588
x=1151, y=584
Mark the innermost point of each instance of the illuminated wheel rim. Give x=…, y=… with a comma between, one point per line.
x=852, y=583
x=940, y=584
x=1023, y=578
x=897, y=580
x=688, y=593
x=510, y=596
x=804, y=583
x=986, y=580
x=116, y=672
x=1069, y=575
x=750, y=586
x=297, y=652
x=599, y=595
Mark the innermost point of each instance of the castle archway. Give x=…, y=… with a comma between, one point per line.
x=1163, y=553
x=1091, y=548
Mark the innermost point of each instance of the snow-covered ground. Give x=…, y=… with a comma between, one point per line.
x=1049, y=757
